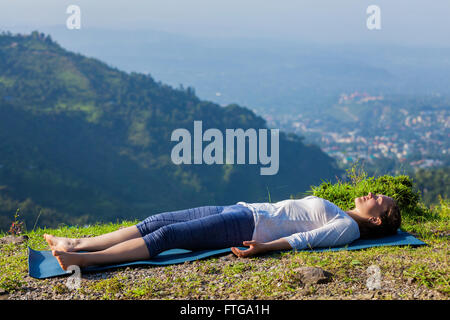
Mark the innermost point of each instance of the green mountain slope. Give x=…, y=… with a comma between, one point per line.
x=84, y=139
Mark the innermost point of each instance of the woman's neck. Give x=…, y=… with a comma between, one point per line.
x=354, y=214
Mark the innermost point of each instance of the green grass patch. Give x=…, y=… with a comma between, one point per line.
x=407, y=272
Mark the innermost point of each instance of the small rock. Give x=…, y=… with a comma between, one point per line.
x=228, y=257
x=13, y=239
x=312, y=275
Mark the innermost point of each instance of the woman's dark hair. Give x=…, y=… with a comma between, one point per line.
x=390, y=222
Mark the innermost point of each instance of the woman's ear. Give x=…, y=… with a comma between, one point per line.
x=375, y=220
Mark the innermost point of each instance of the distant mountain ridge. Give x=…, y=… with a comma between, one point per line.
x=82, y=138
x=268, y=75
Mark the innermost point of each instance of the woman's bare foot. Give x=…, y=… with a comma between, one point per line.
x=61, y=244
x=66, y=259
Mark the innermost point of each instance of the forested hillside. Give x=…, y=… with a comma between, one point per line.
x=81, y=141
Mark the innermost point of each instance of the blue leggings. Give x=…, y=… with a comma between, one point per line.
x=208, y=227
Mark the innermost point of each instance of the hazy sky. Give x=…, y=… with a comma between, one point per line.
x=409, y=22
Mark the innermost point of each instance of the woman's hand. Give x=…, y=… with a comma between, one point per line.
x=255, y=248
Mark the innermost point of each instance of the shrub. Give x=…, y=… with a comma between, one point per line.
x=359, y=184
x=17, y=227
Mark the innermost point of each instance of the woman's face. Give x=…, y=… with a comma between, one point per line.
x=373, y=205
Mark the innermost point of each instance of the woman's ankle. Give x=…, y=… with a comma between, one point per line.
x=78, y=244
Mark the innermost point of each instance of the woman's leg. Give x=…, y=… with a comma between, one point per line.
x=159, y=220
x=146, y=226
x=231, y=227
x=94, y=243
x=130, y=250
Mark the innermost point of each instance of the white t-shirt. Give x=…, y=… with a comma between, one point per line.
x=305, y=223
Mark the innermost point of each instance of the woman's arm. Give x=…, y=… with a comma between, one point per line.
x=261, y=247
x=279, y=244
x=337, y=233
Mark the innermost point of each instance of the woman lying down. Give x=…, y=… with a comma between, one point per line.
x=309, y=222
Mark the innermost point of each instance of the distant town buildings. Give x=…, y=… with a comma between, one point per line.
x=357, y=97
x=420, y=138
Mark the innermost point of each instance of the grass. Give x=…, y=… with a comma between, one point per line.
x=406, y=272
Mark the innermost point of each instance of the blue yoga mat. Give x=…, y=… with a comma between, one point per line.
x=42, y=264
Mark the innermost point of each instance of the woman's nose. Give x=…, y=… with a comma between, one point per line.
x=371, y=194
